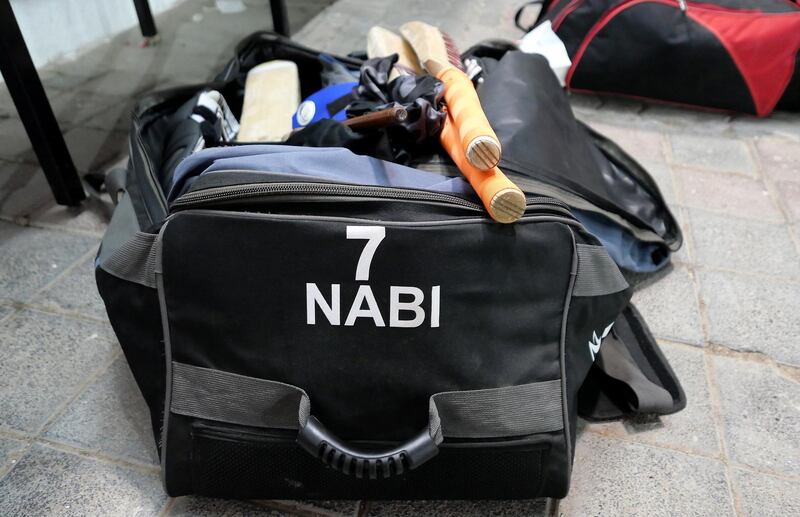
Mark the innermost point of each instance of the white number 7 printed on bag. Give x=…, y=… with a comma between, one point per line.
x=406, y=303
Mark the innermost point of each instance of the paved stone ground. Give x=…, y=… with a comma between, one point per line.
x=73, y=428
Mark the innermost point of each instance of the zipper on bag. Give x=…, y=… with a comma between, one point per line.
x=257, y=191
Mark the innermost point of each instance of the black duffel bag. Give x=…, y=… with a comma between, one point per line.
x=547, y=150
x=739, y=55
x=444, y=353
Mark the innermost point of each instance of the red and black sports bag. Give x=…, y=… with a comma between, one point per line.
x=738, y=55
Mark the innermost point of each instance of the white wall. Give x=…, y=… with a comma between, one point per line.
x=62, y=28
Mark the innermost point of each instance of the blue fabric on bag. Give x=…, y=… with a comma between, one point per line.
x=626, y=250
x=290, y=163
x=301, y=163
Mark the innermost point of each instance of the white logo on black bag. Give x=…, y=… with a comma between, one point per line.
x=406, y=303
x=594, y=344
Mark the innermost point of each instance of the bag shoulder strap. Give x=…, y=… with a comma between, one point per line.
x=631, y=376
x=521, y=10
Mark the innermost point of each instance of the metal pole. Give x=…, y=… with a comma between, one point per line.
x=280, y=17
x=35, y=112
x=146, y=22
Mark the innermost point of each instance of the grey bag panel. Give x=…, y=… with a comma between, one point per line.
x=489, y=413
x=134, y=260
x=597, y=274
x=123, y=225
x=125, y=251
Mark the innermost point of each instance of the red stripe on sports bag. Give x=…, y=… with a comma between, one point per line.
x=597, y=27
x=763, y=46
x=559, y=19
x=747, y=36
x=552, y=6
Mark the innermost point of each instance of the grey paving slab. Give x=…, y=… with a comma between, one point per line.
x=76, y=106
x=622, y=106
x=584, y=102
x=32, y=257
x=779, y=157
x=691, y=430
x=121, y=54
x=789, y=193
x=74, y=293
x=685, y=254
x=642, y=144
x=345, y=507
x=722, y=241
x=735, y=195
x=95, y=149
x=532, y=507
x=187, y=66
x=6, y=104
x=752, y=314
x=10, y=448
x=712, y=152
x=50, y=482
x=670, y=307
x=23, y=190
x=110, y=417
x=44, y=359
x=92, y=109
x=341, y=31
x=766, y=495
x=123, y=83
x=684, y=121
x=779, y=124
x=662, y=174
x=57, y=79
x=760, y=414
x=191, y=506
x=615, y=477
x=91, y=217
x=16, y=145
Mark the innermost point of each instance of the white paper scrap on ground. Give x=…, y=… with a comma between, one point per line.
x=230, y=6
x=542, y=40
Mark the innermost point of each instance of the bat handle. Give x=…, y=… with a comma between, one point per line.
x=504, y=201
x=478, y=140
x=377, y=119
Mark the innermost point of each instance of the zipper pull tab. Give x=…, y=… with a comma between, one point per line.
x=682, y=5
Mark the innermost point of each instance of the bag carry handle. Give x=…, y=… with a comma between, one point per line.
x=510, y=411
x=318, y=441
x=518, y=15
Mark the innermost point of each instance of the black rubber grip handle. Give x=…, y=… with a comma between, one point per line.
x=322, y=444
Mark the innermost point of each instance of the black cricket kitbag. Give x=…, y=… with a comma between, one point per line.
x=312, y=323
x=738, y=55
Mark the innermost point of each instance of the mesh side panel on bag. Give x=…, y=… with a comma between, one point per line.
x=274, y=469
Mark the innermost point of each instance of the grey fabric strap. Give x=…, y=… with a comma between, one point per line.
x=238, y=399
x=597, y=273
x=122, y=226
x=646, y=396
x=135, y=260
x=498, y=412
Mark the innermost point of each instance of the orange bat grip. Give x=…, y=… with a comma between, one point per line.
x=465, y=107
x=487, y=184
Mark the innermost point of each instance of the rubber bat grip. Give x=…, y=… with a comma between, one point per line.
x=478, y=140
